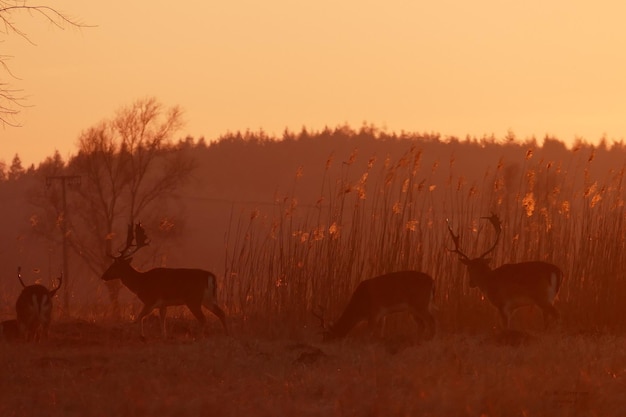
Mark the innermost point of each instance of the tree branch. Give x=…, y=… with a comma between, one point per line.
x=11, y=99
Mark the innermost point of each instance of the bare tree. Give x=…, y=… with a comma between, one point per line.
x=128, y=164
x=11, y=99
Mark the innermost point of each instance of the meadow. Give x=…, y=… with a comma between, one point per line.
x=372, y=214
x=88, y=369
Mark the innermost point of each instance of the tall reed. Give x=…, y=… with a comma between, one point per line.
x=375, y=214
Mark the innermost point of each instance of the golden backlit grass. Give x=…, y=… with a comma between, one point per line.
x=102, y=370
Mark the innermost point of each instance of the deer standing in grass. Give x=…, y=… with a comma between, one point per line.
x=374, y=298
x=164, y=287
x=512, y=286
x=34, y=309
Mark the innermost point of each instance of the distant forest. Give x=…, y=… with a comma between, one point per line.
x=246, y=174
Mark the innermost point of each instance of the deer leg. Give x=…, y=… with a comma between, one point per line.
x=214, y=308
x=380, y=325
x=376, y=324
x=45, y=326
x=29, y=330
x=549, y=310
x=142, y=314
x=420, y=322
x=425, y=322
x=196, y=310
x=22, y=330
x=162, y=314
x=505, y=316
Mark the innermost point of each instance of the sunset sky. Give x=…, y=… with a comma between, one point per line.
x=533, y=67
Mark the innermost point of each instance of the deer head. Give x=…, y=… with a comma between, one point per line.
x=480, y=265
x=136, y=238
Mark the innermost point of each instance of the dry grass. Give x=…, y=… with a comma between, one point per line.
x=88, y=369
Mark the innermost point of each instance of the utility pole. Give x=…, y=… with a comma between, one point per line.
x=72, y=181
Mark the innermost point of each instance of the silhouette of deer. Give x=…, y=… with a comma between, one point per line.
x=512, y=286
x=164, y=287
x=34, y=309
x=374, y=298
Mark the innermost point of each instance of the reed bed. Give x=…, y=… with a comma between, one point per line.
x=376, y=214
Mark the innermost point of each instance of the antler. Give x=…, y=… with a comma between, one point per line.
x=136, y=238
x=19, y=276
x=455, y=239
x=497, y=225
x=140, y=236
x=54, y=291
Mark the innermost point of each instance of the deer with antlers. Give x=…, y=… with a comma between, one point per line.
x=374, y=298
x=512, y=286
x=164, y=287
x=34, y=309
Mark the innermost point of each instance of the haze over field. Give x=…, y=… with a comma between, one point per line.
x=478, y=68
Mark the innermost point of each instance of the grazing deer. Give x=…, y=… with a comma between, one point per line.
x=512, y=286
x=163, y=287
x=34, y=309
x=374, y=298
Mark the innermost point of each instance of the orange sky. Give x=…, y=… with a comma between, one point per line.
x=488, y=66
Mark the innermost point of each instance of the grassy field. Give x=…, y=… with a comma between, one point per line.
x=90, y=369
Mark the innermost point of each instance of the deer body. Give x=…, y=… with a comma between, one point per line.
x=514, y=285
x=34, y=310
x=374, y=298
x=164, y=287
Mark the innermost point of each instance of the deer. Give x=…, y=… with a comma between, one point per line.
x=34, y=309
x=514, y=285
x=164, y=287
x=375, y=298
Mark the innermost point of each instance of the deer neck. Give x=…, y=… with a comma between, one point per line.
x=480, y=275
x=131, y=278
x=356, y=311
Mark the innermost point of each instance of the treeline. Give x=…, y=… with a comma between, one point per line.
x=299, y=146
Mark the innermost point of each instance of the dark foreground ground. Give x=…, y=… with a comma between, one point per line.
x=93, y=369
